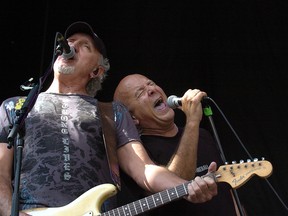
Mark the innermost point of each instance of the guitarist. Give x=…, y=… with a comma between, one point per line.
x=64, y=154
x=185, y=151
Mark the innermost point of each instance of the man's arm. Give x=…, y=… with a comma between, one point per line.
x=6, y=163
x=184, y=161
x=135, y=161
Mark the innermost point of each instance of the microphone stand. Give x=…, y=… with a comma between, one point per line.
x=208, y=112
x=18, y=131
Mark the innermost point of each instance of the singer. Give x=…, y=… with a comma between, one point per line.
x=186, y=151
x=64, y=154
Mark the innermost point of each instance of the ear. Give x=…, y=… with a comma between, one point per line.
x=135, y=120
x=97, y=72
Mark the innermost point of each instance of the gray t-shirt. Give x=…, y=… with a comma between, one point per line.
x=64, y=154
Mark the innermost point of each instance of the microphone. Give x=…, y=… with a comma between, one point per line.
x=173, y=101
x=68, y=52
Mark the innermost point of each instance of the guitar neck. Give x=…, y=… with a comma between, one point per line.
x=235, y=175
x=151, y=202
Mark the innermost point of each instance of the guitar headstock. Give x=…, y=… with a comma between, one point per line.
x=237, y=174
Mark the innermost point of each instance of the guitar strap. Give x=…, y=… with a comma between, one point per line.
x=109, y=138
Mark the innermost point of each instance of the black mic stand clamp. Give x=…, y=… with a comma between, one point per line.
x=208, y=112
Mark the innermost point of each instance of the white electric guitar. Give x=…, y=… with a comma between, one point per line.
x=89, y=203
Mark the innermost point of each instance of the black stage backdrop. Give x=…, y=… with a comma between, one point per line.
x=235, y=50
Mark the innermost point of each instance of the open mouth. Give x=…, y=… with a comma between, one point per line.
x=159, y=104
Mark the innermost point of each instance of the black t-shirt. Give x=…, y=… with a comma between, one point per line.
x=161, y=149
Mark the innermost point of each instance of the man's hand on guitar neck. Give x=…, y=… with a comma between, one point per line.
x=204, y=188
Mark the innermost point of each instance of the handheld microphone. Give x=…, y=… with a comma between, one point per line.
x=68, y=52
x=173, y=101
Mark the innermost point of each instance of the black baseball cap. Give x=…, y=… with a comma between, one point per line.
x=83, y=27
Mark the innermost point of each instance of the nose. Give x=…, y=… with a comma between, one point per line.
x=75, y=45
x=150, y=90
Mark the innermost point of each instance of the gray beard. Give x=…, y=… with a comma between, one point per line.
x=62, y=69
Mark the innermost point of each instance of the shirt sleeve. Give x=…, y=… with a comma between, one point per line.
x=126, y=130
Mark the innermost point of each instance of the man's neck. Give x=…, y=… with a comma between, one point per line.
x=165, y=132
x=64, y=88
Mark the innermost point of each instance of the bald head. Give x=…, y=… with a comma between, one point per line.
x=146, y=102
x=127, y=87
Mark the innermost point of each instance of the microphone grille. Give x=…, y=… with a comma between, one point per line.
x=171, y=101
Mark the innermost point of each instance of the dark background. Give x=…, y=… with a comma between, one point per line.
x=235, y=50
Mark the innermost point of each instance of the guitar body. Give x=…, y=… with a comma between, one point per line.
x=88, y=203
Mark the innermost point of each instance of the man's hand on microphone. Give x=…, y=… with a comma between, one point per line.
x=191, y=105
